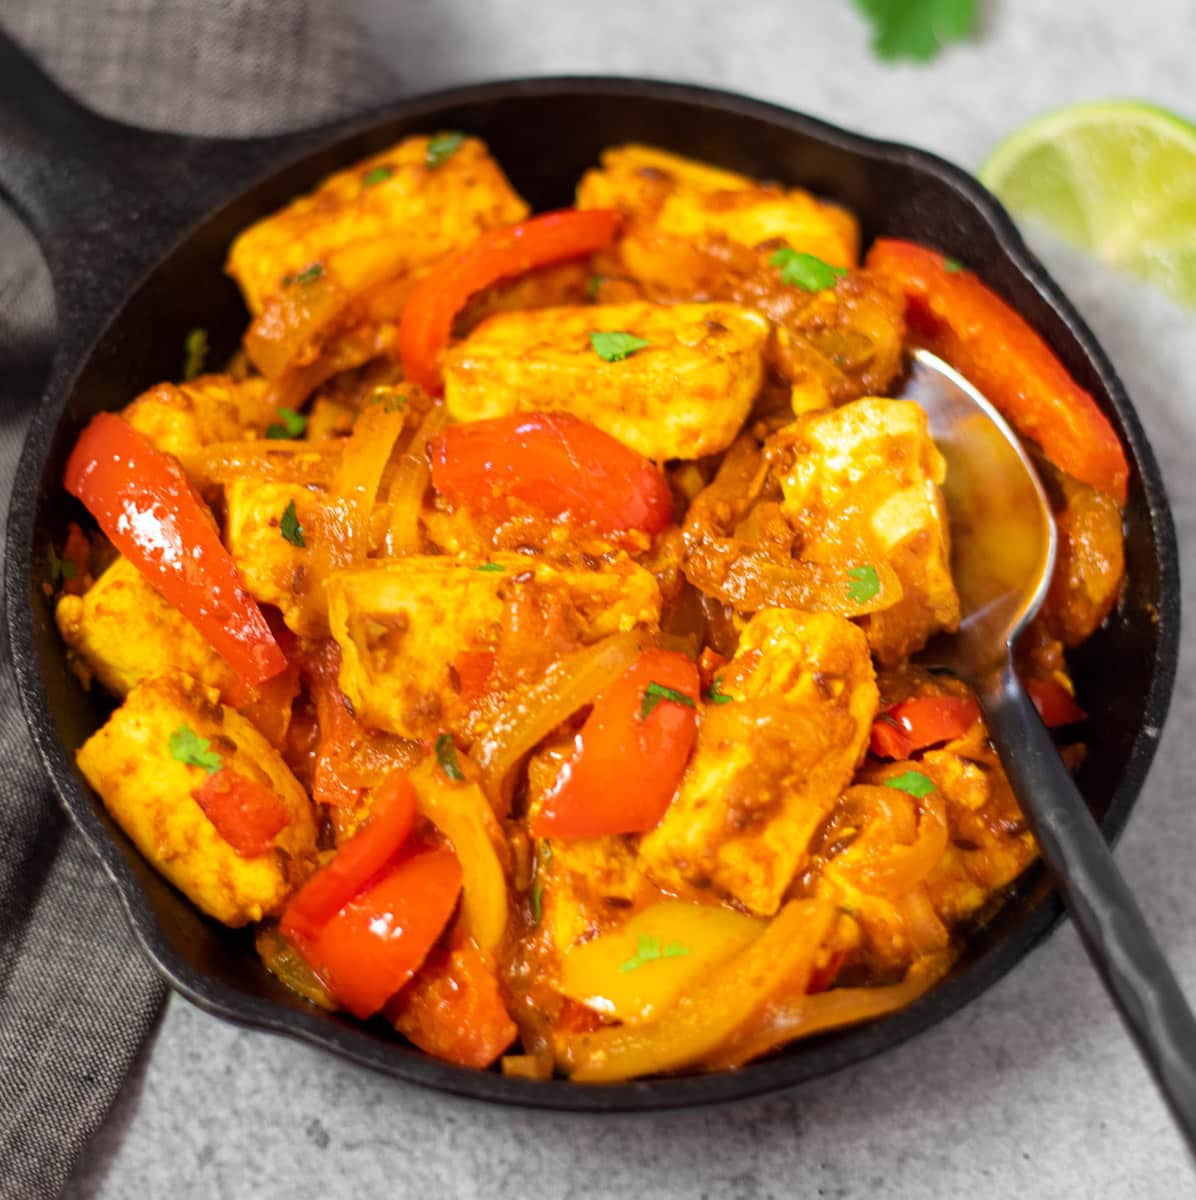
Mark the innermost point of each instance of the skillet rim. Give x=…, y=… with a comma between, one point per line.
x=817, y=1057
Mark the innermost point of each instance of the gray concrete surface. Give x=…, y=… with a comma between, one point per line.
x=1032, y=1091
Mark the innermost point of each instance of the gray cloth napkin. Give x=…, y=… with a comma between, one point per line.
x=76, y=998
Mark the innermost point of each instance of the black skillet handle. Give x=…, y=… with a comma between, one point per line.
x=1112, y=927
x=106, y=200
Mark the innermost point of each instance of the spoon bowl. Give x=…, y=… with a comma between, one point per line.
x=1003, y=536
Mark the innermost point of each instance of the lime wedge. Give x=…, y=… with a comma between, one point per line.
x=1116, y=178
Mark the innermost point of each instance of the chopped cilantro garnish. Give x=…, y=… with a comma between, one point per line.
x=289, y=526
x=865, y=583
x=656, y=693
x=392, y=401
x=805, y=271
x=442, y=147
x=61, y=569
x=290, y=424
x=376, y=175
x=543, y=858
x=592, y=287
x=446, y=756
x=716, y=695
x=489, y=566
x=310, y=274
x=195, y=351
x=649, y=949
x=953, y=265
x=188, y=747
x=914, y=783
x=917, y=29
x=615, y=345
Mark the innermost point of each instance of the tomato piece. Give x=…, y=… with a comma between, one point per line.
x=340, y=733
x=1055, y=704
x=554, y=463
x=453, y=1008
x=144, y=504
x=356, y=863
x=77, y=552
x=888, y=739
x=627, y=765
x=427, y=320
x=474, y=669
x=246, y=814
x=956, y=316
x=377, y=942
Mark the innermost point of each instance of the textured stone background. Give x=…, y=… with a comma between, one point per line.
x=1034, y=1090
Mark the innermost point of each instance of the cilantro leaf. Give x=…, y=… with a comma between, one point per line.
x=917, y=30
x=391, y=399
x=446, y=756
x=376, y=175
x=188, y=747
x=805, y=271
x=489, y=566
x=195, y=351
x=595, y=282
x=441, y=148
x=61, y=569
x=614, y=345
x=716, y=695
x=656, y=693
x=648, y=949
x=543, y=858
x=913, y=783
x=865, y=583
x=953, y=265
x=310, y=274
x=290, y=528
x=292, y=424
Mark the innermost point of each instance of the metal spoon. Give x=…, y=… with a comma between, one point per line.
x=1003, y=554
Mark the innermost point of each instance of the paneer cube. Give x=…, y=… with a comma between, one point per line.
x=395, y=207
x=123, y=632
x=680, y=198
x=768, y=767
x=179, y=418
x=684, y=395
x=272, y=567
x=864, y=478
x=402, y=626
x=148, y=792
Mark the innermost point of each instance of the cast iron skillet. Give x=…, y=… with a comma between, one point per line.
x=135, y=226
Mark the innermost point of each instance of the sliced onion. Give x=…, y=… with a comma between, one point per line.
x=265, y=458
x=463, y=814
x=535, y=711
x=409, y=484
x=290, y=968
x=804, y=1016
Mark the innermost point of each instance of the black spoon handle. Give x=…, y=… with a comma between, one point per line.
x=1112, y=927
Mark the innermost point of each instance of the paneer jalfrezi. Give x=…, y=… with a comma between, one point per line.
x=521, y=630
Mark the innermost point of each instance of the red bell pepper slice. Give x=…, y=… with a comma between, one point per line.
x=554, y=463
x=453, y=1008
x=1055, y=704
x=922, y=721
x=957, y=317
x=373, y=945
x=143, y=502
x=627, y=764
x=356, y=863
x=247, y=815
x=427, y=320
